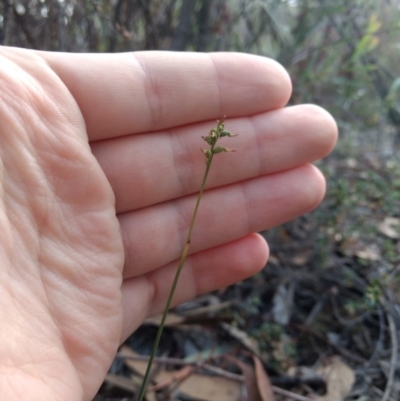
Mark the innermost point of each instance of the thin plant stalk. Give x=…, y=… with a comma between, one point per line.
x=211, y=139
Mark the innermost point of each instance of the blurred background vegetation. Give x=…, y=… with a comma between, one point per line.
x=332, y=285
x=341, y=54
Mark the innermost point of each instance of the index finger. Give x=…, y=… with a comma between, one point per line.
x=129, y=93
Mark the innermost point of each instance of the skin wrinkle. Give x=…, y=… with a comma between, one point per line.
x=38, y=169
x=153, y=292
x=14, y=205
x=54, y=145
x=257, y=145
x=183, y=284
x=45, y=289
x=152, y=92
x=127, y=244
x=51, y=151
x=242, y=192
x=318, y=119
x=39, y=102
x=183, y=216
x=183, y=162
x=140, y=180
x=6, y=241
x=133, y=254
x=217, y=84
x=28, y=377
x=195, y=262
x=276, y=138
x=12, y=116
x=40, y=253
x=35, y=316
x=189, y=277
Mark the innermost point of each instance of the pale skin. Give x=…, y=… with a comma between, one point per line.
x=99, y=168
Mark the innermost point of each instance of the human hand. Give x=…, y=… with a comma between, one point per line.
x=100, y=165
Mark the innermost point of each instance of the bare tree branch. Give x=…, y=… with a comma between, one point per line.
x=185, y=27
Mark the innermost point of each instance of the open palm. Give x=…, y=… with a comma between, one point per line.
x=99, y=168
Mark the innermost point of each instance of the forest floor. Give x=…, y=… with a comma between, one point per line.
x=319, y=322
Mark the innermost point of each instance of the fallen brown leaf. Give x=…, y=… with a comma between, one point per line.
x=250, y=343
x=390, y=227
x=249, y=379
x=175, y=378
x=301, y=258
x=172, y=320
x=196, y=386
x=206, y=388
x=339, y=380
x=135, y=365
x=368, y=253
x=263, y=382
x=256, y=379
x=121, y=382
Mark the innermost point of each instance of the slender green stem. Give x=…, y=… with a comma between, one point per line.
x=176, y=278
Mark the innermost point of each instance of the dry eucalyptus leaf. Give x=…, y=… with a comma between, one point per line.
x=172, y=378
x=390, y=227
x=250, y=343
x=273, y=260
x=301, y=258
x=206, y=388
x=339, y=379
x=209, y=309
x=197, y=387
x=135, y=365
x=121, y=382
x=129, y=384
x=369, y=253
x=263, y=382
x=249, y=379
x=283, y=303
x=172, y=319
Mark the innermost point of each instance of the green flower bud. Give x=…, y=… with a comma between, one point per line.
x=210, y=140
x=207, y=153
x=227, y=133
x=220, y=149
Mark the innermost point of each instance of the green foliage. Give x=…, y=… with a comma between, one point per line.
x=373, y=294
x=275, y=344
x=370, y=301
x=268, y=333
x=370, y=40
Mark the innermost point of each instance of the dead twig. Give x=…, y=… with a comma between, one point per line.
x=346, y=353
x=379, y=344
x=210, y=368
x=393, y=359
x=180, y=362
x=223, y=372
x=340, y=319
x=159, y=359
x=289, y=394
